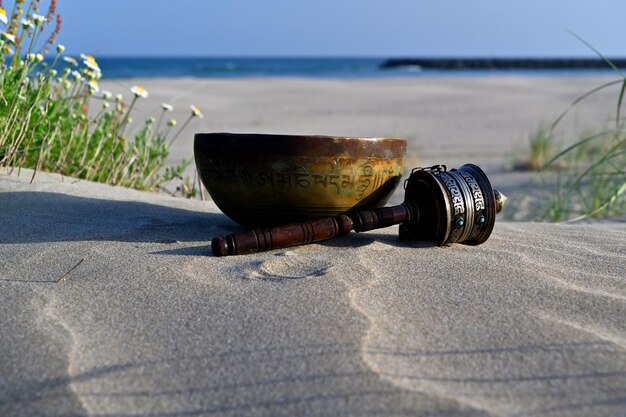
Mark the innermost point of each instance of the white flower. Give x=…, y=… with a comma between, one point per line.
x=3, y=16
x=77, y=75
x=92, y=75
x=38, y=19
x=106, y=94
x=8, y=37
x=167, y=107
x=26, y=23
x=70, y=60
x=139, y=91
x=60, y=49
x=195, y=112
x=93, y=86
x=91, y=64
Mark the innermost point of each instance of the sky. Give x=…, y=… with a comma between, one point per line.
x=353, y=28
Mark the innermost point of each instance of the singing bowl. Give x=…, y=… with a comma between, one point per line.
x=261, y=180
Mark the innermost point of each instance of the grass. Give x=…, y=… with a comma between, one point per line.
x=591, y=173
x=542, y=149
x=592, y=180
x=54, y=117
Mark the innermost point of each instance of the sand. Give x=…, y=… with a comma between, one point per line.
x=112, y=305
x=482, y=119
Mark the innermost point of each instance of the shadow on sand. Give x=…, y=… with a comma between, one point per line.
x=40, y=217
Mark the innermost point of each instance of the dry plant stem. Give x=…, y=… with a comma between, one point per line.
x=180, y=130
x=127, y=115
x=12, y=151
x=38, y=164
x=201, y=186
x=62, y=277
x=158, y=125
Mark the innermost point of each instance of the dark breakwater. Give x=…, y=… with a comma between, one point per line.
x=502, y=64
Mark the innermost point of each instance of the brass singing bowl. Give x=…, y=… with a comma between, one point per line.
x=261, y=180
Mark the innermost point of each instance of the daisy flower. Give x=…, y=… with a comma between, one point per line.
x=92, y=65
x=139, y=91
x=8, y=37
x=26, y=23
x=93, y=86
x=167, y=107
x=70, y=60
x=3, y=16
x=77, y=75
x=195, y=112
x=90, y=62
x=92, y=75
x=38, y=19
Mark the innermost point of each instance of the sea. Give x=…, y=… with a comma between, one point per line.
x=212, y=67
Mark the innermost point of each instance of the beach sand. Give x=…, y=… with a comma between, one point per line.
x=112, y=305
x=482, y=119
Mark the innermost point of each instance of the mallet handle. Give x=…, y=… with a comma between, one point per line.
x=259, y=240
x=263, y=239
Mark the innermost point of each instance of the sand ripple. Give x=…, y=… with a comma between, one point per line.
x=509, y=328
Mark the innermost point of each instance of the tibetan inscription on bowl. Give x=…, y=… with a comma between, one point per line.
x=337, y=177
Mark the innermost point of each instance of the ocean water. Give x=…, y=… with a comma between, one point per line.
x=242, y=67
x=124, y=67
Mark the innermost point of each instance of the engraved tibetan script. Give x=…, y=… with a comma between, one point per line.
x=348, y=180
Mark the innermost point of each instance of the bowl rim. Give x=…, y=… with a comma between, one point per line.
x=298, y=136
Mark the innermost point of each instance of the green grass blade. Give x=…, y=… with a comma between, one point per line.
x=619, y=103
x=607, y=156
x=604, y=206
x=605, y=59
x=581, y=98
x=575, y=145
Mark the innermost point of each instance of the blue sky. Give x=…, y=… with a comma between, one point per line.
x=377, y=28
